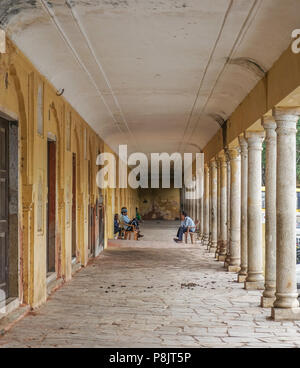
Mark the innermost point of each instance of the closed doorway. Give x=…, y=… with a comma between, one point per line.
x=51, y=210
x=4, y=214
x=9, y=251
x=74, y=202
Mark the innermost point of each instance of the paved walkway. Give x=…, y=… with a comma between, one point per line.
x=176, y=296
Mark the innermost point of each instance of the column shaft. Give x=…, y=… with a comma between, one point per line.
x=227, y=259
x=223, y=208
x=213, y=210
x=205, y=237
x=200, y=206
x=210, y=206
x=286, y=305
x=235, y=210
x=255, y=279
x=268, y=297
x=218, y=207
x=244, y=192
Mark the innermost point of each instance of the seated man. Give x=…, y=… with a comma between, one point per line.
x=187, y=225
x=117, y=228
x=129, y=225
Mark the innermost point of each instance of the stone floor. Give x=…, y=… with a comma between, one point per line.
x=173, y=296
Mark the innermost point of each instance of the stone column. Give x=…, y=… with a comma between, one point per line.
x=268, y=296
x=184, y=198
x=244, y=192
x=205, y=236
x=196, y=217
x=201, y=216
x=200, y=207
x=194, y=203
x=235, y=210
x=193, y=208
x=182, y=207
x=210, y=206
x=227, y=259
x=223, y=207
x=188, y=203
x=286, y=305
x=218, y=206
x=255, y=279
x=213, y=210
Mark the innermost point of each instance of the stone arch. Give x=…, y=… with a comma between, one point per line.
x=59, y=145
x=78, y=159
x=79, y=196
x=26, y=201
x=93, y=163
x=23, y=124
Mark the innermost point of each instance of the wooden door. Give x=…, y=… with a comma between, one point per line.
x=101, y=220
x=89, y=211
x=4, y=171
x=93, y=232
x=51, y=215
x=74, y=195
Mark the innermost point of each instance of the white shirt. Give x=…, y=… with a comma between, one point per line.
x=188, y=222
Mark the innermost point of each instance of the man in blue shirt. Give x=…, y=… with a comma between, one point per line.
x=187, y=224
x=124, y=219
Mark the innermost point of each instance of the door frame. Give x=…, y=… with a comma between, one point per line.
x=4, y=224
x=74, y=210
x=14, y=270
x=51, y=139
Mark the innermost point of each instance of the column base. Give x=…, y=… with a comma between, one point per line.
x=212, y=250
x=241, y=278
x=233, y=268
x=267, y=302
x=204, y=240
x=221, y=257
x=285, y=314
x=254, y=285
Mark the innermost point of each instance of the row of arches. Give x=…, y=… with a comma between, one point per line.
x=61, y=211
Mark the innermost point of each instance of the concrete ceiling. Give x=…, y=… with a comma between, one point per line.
x=159, y=75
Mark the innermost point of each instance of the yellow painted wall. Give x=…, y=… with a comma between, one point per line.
x=159, y=203
x=116, y=199
x=19, y=102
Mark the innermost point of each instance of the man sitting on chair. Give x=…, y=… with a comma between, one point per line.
x=129, y=225
x=187, y=225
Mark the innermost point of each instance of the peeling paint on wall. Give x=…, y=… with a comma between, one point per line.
x=159, y=204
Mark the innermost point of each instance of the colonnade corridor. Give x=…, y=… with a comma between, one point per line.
x=169, y=295
x=149, y=173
